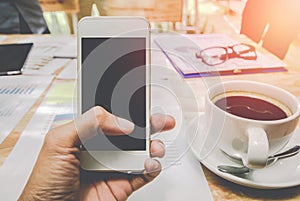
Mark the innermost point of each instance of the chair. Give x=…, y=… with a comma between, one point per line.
x=153, y=10
x=273, y=23
x=68, y=6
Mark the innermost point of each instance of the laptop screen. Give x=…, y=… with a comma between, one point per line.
x=13, y=56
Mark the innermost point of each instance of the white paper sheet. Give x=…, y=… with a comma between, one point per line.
x=184, y=180
x=52, y=46
x=181, y=51
x=211, y=40
x=43, y=66
x=69, y=72
x=182, y=177
x=49, y=53
x=17, y=168
x=17, y=95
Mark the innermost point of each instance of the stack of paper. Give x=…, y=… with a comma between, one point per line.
x=181, y=51
x=69, y=72
x=49, y=53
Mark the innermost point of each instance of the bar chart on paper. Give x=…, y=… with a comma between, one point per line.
x=22, y=89
x=17, y=96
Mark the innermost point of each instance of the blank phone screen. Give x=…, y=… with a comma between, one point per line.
x=114, y=77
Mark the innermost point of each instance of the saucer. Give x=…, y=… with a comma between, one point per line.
x=284, y=173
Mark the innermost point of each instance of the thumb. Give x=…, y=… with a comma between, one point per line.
x=93, y=122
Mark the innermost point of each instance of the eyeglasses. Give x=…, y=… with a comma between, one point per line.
x=217, y=55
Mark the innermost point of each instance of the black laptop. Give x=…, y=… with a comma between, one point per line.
x=13, y=57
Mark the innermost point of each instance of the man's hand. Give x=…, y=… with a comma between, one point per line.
x=56, y=175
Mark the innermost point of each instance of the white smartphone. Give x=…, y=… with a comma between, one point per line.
x=114, y=72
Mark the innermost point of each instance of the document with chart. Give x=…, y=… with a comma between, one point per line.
x=49, y=54
x=17, y=96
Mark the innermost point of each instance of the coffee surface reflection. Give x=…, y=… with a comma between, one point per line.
x=252, y=106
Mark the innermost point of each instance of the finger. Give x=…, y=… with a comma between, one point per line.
x=103, y=191
x=161, y=122
x=121, y=188
x=88, y=192
x=157, y=148
x=88, y=125
x=152, y=170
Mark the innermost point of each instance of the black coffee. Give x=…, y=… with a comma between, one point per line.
x=251, y=108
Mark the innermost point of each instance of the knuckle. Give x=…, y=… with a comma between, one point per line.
x=50, y=139
x=100, y=112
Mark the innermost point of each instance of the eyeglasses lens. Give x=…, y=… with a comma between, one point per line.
x=244, y=51
x=214, y=56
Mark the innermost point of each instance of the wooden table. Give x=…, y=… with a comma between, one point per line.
x=220, y=188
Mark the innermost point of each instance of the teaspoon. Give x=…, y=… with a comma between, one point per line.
x=243, y=169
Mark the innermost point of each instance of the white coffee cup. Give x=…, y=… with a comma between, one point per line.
x=252, y=140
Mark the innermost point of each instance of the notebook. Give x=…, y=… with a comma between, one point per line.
x=181, y=51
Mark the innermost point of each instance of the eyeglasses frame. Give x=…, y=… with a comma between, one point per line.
x=228, y=55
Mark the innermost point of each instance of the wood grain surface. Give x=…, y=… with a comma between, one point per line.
x=153, y=10
x=68, y=6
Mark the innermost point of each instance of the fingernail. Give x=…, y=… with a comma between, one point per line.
x=152, y=165
x=155, y=164
x=125, y=125
x=158, y=146
x=162, y=145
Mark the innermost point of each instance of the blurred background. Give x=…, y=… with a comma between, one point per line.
x=192, y=16
x=263, y=21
